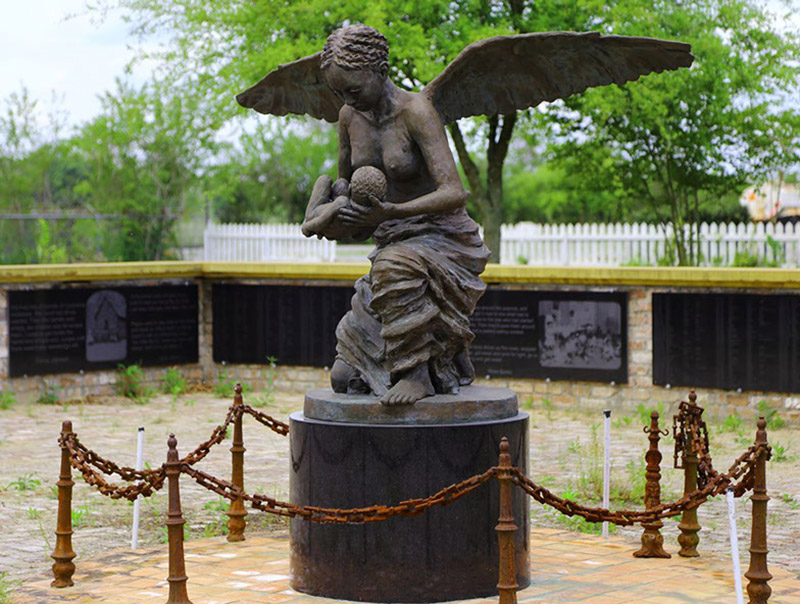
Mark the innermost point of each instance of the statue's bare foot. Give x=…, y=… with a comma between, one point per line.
x=413, y=386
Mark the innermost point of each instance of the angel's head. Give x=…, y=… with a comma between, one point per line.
x=355, y=64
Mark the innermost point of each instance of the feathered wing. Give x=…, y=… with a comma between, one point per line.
x=296, y=87
x=506, y=73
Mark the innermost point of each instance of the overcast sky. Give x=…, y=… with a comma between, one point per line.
x=77, y=58
x=46, y=51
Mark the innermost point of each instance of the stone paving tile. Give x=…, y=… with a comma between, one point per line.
x=589, y=571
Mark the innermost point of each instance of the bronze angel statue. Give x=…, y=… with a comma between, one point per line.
x=408, y=333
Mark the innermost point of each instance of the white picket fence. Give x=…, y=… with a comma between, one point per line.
x=264, y=243
x=642, y=244
x=526, y=243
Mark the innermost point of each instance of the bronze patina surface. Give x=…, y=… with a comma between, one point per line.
x=408, y=333
x=472, y=403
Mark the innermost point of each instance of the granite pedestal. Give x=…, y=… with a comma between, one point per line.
x=351, y=451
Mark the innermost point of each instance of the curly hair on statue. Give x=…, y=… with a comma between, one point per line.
x=355, y=47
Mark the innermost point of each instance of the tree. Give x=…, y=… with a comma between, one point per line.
x=220, y=47
x=679, y=140
x=268, y=174
x=144, y=153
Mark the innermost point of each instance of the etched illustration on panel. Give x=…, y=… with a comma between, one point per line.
x=106, y=326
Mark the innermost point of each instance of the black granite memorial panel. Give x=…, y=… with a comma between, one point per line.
x=295, y=324
x=728, y=341
x=62, y=330
x=556, y=335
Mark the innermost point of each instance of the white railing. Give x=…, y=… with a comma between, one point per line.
x=264, y=243
x=643, y=244
x=528, y=243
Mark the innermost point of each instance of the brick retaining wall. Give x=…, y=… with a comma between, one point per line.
x=622, y=398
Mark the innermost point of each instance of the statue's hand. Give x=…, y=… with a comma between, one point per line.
x=372, y=214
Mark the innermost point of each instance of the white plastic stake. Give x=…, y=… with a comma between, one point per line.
x=737, y=569
x=139, y=461
x=607, y=467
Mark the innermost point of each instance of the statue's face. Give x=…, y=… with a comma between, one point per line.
x=362, y=89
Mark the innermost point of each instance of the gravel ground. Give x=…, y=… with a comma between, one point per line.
x=566, y=448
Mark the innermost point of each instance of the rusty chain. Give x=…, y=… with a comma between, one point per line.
x=270, y=422
x=375, y=513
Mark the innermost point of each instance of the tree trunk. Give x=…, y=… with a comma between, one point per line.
x=488, y=196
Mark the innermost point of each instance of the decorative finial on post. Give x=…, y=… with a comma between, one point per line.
x=506, y=529
x=692, y=397
x=652, y=540
x=758, y=588
x=177, y=566
x=236, y=511
x=63, y=567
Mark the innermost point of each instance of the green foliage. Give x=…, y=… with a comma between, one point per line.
x=780, y=453
x=48, y=395
x=224, y=388
x=643, y=413
x=268, y=396
x=792, y=502
x=6, y=589
x=7, y=399
x=577, y=523
x=130, y=383
x=174, y=383
x=774, y=421
x=677, y=140
x=81, y=515
x=732, y=423
x=27, y=482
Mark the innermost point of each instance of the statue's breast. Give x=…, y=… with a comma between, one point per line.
x=402, y=158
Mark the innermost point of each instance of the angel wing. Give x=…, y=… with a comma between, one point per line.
x=296, y=87
x=507, y=73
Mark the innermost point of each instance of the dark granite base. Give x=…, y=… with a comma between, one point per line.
x=448, y=553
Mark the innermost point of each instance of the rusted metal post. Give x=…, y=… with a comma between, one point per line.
x=652, y=540
x=689, y=527
x=506, y=530
x=758, y=588
x=236, y=510
x=63, y=567
x=177, y=566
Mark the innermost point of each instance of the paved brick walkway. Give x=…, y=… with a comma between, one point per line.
x=565, y=567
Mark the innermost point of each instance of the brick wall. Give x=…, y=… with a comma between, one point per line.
x=621, y=398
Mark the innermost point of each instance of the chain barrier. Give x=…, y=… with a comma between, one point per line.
x=270, y=422
x=689, y=430
x=87, y=462
x=375, y=513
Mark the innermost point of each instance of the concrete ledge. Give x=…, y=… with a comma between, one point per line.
x=736, y=278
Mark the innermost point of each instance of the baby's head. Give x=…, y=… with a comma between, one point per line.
x=367, y=181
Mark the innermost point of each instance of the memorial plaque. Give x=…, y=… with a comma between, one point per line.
x=727, y=341
x=295, y=324
x=556, y=335
x=66, y=330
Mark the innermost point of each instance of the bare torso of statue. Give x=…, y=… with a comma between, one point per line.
x=408, y=334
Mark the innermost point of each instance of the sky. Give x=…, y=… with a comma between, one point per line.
x=56, y=46
x=45, y=49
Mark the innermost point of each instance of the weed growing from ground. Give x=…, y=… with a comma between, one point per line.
x=268, y=396
x=7, y=399
x=732, y=423
x=779, y=453
x=774, y=421
x=226, y=383
x=174, y=383
x=48, y=395
x=130, y=383
x=6, y=587
x=28, y=482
